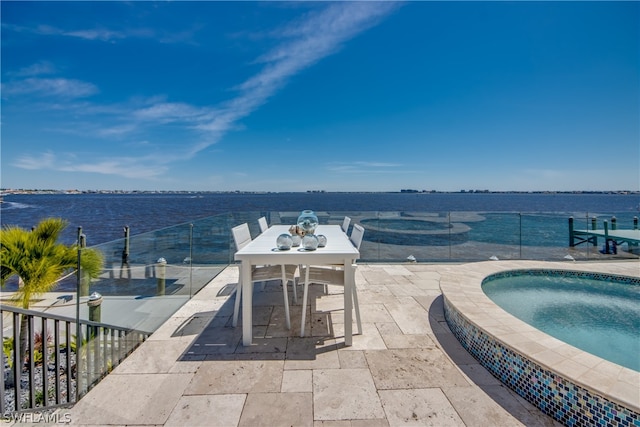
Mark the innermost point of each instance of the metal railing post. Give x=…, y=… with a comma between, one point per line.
x=520, y=216
x=17, y=360
x=56, y=358
x=78, y=326
x=190, y=260
x=2, y=401
x=32, y=363
x=45, y=362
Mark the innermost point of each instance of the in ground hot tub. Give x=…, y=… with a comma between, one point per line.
x=571, y=385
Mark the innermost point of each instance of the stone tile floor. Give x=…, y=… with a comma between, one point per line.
x=406, y=368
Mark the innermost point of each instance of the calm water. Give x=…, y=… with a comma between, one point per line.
x=597, y=316
x=103, y=216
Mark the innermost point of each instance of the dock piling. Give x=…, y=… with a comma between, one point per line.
x=162, y=269
x=125, y=254
x=571, y=238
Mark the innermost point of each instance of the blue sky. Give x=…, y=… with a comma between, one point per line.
x=296, y=96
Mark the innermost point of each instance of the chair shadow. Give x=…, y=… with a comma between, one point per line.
x=217, y=339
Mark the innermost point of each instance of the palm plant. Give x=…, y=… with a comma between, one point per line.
x=38, y=260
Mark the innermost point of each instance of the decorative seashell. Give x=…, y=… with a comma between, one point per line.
x=294, y=229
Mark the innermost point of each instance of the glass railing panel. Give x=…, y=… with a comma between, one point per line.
x=545, y=236
x=149, y=276
x=195, y=252
x=146, y=278
x=484, y=236
x=401, y=236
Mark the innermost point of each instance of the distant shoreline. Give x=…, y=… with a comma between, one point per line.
x=7, y=192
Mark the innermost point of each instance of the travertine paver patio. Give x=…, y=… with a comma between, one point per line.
x=405, y=369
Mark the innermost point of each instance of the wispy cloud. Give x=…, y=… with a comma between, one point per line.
x=169, y=112
x=306, y=41
x=301, y=44
x=43, y=161
x=87, y=34
x=37, y=69
x=102, y=34
x=58, y=87
x=115, y=131
x=378, y=164
x=122, y=166
x=110, y=35
x=363, y=167
x=125, y=167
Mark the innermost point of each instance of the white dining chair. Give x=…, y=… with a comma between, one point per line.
x=262, y=222
x=356, y=235
x=264, y=226
x=331, y=276
x=345, y=224
x=242, y=237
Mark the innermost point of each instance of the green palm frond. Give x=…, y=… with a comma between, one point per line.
x=92, y=262
x=49, y=229
x=39, y=260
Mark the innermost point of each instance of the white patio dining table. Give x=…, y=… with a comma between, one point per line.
x=263, y=251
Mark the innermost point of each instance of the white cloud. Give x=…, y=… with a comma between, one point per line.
x=108, y=35
x=37, y=69
x=127, y=167
x=113, y=131
x=312, y=39
x=43, y=161
x=95, y=34
x=544, y=174
x=305, y=42
x=378, y=164
x=67, y=88
x=365, y=167
x=168, y=112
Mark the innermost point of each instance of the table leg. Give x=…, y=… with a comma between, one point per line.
x=349, y=283
x=247, y=304
x=305, y=296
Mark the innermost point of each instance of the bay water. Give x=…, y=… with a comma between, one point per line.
x=103, y=216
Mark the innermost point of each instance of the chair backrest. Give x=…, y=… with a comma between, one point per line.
x=356, y=235
x=241, y=235
x=262, y=222
x=345, y=223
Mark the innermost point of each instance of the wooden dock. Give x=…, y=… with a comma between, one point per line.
x=611, y=236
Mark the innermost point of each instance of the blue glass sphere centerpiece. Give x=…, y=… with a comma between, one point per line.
x=310, y=242
x=284, y=242
x=308, y=221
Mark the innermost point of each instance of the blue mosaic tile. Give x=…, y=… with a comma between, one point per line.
x=554, y=395
x=625, y=280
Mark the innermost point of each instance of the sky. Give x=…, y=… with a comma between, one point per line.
x=299, y=96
